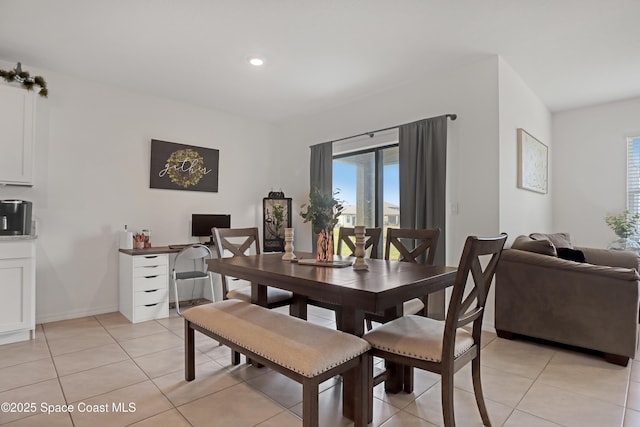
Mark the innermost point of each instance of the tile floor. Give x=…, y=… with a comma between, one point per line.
x=103, y=365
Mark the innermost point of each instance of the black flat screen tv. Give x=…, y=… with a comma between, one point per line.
x=201, y=224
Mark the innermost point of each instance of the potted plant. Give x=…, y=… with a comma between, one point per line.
x=323, y=211
x=624, y=225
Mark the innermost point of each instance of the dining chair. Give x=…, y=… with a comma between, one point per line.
x=444, y=347
x=412, y=245
x=346, y=237
x=371, y=244
x=197, y=254
x=237, y=241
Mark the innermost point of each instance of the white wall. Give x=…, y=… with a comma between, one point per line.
x=92, y=177
x=522, y=211
x=590, y=168
x=472, y=177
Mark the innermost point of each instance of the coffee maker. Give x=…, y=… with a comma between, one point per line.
x=15, y=217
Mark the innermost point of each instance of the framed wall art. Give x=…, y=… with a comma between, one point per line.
x=183, y=167
x=532, y=163
x=276, y=217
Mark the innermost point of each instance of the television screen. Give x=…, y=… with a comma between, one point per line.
x=201, y=225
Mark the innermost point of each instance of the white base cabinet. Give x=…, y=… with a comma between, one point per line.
x=17, y=291
x=144, y=287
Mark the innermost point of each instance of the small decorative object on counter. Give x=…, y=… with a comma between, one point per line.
x=147, y=238
x=360, y=263
x=138, y=241
x=126, y=239
x=288, y=245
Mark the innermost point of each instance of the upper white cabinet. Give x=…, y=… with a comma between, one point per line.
x=17, y=123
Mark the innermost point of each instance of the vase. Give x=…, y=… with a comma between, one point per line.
x=625, y=244
x=324, y=248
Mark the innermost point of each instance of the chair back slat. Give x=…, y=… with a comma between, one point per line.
x=470, y=270
x=414, y=245
x=371, y=242
x=225, y=239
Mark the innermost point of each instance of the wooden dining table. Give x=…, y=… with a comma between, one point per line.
x=381, y=289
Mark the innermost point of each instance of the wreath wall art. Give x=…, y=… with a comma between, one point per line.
x=183, y=167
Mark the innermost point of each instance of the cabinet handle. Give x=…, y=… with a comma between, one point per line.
x=151, y=256
x=152, y=290
x=151, y=266
x=150, y=305
x=150, y=277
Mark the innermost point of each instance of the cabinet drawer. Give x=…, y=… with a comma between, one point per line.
x=144, y=260
x=151, y=296
x=150, y=283
x=151, y=311
x=150, y=270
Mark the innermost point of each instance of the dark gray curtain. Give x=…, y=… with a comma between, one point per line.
x=321, y=168
x=423, y=160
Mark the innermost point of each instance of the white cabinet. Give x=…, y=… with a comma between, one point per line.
x=17, y=119
x=144, y=286
x=17, y=290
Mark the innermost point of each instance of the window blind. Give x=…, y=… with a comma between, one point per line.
x=633, y=175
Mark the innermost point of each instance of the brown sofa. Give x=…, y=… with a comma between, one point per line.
x=592, y=304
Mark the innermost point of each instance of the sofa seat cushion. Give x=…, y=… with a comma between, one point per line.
x=542, y=246
x=559, y=240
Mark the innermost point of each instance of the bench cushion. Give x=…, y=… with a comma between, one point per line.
x=295, y=344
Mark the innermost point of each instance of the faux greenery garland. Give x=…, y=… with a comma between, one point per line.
x=24, y=78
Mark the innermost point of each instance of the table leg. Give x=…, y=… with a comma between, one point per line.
x=258, y=294
x=395, y=373
x=298, y=307
x=352, y=322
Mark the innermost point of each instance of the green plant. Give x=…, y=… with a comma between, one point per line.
x=278, y=216
x=623, y=224
x=322, y=210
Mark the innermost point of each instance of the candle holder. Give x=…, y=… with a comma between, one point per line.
x=288, y=245
x=360, y=264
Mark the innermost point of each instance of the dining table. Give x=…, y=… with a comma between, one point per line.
x=382, y=289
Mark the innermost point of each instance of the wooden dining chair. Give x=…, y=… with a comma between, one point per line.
x=238, y=241
x=412, y=245
x=346, y=237
x=445, y=347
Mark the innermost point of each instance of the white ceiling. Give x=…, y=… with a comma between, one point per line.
x=323, y=53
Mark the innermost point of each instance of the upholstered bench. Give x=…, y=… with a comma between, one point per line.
x=303, y=351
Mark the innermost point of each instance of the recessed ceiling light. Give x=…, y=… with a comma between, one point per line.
x=256, y=61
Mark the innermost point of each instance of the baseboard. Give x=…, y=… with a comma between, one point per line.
x=74, y=314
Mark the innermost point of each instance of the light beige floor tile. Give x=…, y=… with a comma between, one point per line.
x=206, y=344
x=172, y=322
x=55, y=419
x=587, y=374
x=108, y=320
x=243, y=371
x=26, y=373
x=237, y=406
x=633, y=398
x=25, y=351
x=422, y=381
x=131, y=331
x=313, y=310
x=171, y=418
x=428, y=406
x=635, y=371
x=570, y=409
x=96, y=381
x=278, y=387
x=71, y=324
x=283, y=419
x=167, y=361
x=497, y=385
x=210, y=378
x=79, y=340
x=151, y=344
x=47, y=391
x=146, y=398
x=77, y=361
x=522, y=419
x=631, y=418
x=405, y=419
x=516, y=357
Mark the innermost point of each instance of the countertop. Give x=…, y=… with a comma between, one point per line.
x=16, y=238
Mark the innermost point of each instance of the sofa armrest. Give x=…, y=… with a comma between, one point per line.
x=611, y=258
x=553, y=263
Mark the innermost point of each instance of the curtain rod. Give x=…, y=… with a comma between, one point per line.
x=372, y=132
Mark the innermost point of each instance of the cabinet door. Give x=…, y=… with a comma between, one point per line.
x=16, y=290
x=16, y=135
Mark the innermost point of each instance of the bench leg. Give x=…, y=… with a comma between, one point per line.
x=189, y=352
x=310, y=412
x=235, y=357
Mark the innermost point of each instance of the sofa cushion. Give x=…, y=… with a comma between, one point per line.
x=559, y=240
x=542, y=246
x=571, y=254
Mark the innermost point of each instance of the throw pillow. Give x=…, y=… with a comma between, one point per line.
x=571, y=254
x=559, y=240
x=544, y=247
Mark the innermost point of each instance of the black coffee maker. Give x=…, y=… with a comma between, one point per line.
x=15, y=217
